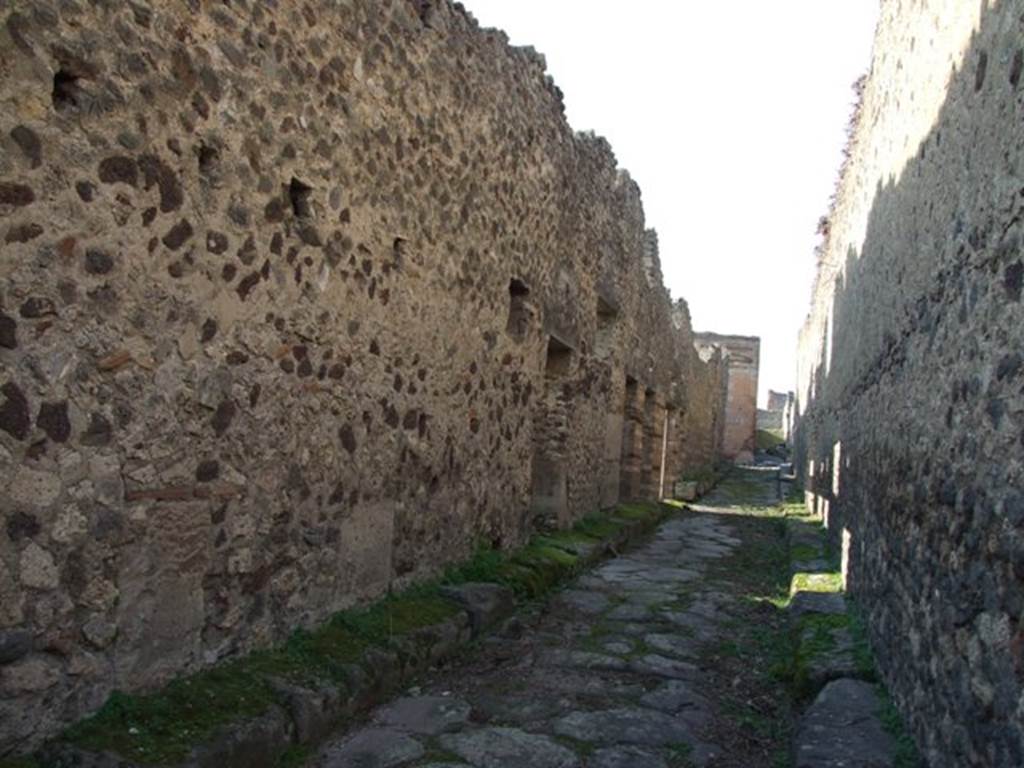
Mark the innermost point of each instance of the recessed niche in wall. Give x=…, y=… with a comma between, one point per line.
x=518, y=311
x=300, y=193
x=607, y=318
x=559, y=359
x=208, y=158
x=65, y=91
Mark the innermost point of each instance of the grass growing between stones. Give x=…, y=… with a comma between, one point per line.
x=435, y=754
x=164, y=727
x=815, y=635
x=295, y=756
x=552, y=557
x=829, y=581
x=754, y=706
x=769, y=438
x=906, y=755
x=679, y=755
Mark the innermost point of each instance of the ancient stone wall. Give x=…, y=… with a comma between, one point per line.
x=299, y=301
x=702, y=422
x=911, y=383
x=769, y=419
x=742, y=354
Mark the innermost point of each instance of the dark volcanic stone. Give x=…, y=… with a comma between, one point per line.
x=98, y=262
x=53, y=420
x=29, y=143
x=14, y=415
x=348, y=438
x=223, y=416
x=119, y=169
x=207, y=470
x=177, y=235
x=22, y=233
x=8, y=332
x=17, y=195
x=21, y=525
x=14, y=644
x=99, y=431
x=35, y=307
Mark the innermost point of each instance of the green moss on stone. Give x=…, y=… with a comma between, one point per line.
x=637, y=511
x=804, y=552
x=599, y=527
x=295, y=756
x=163, y=727
x=817, y=582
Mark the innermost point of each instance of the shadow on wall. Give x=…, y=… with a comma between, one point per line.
x=910, y=436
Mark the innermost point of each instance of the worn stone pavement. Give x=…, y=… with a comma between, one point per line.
x=607, y=674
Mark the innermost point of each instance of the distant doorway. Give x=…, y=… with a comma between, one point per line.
x=631, y=465
x=549, y=496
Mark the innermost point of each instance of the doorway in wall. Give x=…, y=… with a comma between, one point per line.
x=650, y=461
x=630, y=475
x=549, y=496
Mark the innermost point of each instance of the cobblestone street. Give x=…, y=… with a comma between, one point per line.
x=647, y=661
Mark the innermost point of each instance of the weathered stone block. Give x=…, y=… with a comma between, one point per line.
x=843, y=729
x=486, y=604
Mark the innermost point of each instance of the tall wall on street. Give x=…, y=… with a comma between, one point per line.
x=705, y=378
x=911, y=376
x=743, y=360
x=297, y=302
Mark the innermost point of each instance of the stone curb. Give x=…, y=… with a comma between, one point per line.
x=305, y=716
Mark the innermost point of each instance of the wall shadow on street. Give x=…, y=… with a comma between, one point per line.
x=910, y=436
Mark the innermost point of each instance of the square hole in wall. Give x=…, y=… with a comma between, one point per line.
x=607, y=319
x=518, y=325
x=558, y=362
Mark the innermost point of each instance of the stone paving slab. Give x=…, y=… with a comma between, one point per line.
x=837, y=660
x=374, y=748
x=828, y=603
x=627, y=725
x=509, y=748
x=843, y=729
x=607, y=675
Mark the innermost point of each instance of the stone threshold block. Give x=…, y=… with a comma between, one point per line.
x=843, y=729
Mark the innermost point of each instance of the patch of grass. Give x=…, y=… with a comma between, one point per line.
x=749, y=669
x=599, y=527
x=861, y=646
x=435, y=753
x=817, y=582
x=637, y=511
x=752, y=721
x=398, y=614
x=20, y=762
x=805, y=552
x=571, y=541
x=295, y=756
x=679, y=755
x=164, y=726
x=581, y=748
x=705, y=473
x=484, y=565
x=767, y=439
x=813, y=637
x=906, y=755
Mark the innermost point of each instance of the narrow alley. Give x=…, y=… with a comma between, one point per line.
x=676, y=653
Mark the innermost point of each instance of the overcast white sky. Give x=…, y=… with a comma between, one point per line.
x=731, y=116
